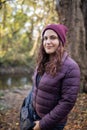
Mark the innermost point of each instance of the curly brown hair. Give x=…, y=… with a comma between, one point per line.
x=49, y=66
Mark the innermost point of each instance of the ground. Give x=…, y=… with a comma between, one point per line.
x=11, y=100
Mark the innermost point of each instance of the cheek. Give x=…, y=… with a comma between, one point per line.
x=44, y=45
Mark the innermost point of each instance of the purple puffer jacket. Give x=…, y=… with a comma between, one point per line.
x=55, y=96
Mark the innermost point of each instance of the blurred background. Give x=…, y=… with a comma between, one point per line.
x=21, y=24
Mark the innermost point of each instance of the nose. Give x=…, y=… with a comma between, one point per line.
x=48, y=41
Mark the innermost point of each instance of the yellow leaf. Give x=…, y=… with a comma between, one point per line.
x=17, y=123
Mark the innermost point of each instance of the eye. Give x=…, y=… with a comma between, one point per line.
x=53, y=37
x=45, y=38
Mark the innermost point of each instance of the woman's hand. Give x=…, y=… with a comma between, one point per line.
x=37, y=126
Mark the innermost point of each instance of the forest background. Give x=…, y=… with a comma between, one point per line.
x=21, y=24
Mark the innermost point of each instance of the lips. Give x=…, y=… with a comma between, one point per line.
x=48, y=47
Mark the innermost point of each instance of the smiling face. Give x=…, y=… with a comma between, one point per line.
x=50, y=41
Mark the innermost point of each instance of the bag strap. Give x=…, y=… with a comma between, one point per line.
x=29, y=97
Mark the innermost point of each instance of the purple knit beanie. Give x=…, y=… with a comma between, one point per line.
x=60, y=29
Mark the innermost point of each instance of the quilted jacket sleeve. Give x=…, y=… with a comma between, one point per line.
x=70, y=88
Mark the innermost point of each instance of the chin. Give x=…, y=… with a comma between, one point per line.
x=49, y=52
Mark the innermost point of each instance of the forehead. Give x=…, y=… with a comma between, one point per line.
x=50, y=32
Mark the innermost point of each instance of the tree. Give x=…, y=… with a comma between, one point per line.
x=21, y=25
x=74, y=15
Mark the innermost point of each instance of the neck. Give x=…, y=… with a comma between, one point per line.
x=51, y=57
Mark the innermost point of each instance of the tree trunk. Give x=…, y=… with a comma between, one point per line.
x=74, y=15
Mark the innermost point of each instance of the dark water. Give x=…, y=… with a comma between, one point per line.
x=9, y=81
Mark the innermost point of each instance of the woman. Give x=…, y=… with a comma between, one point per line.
x=56, y=80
